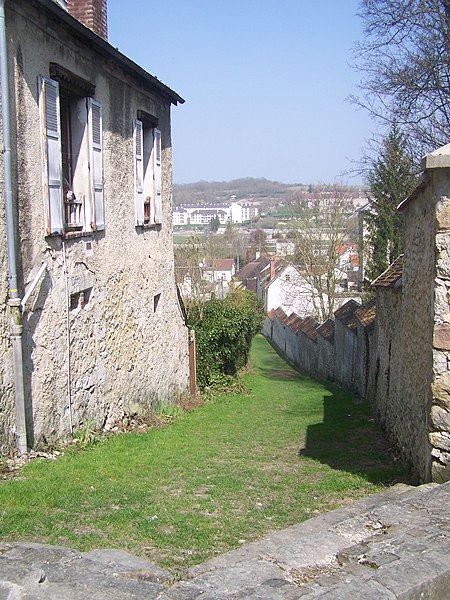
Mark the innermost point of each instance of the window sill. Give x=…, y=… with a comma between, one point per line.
x=70, y=235
x=149, y=226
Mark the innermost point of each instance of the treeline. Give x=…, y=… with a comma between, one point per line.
x=221, y=191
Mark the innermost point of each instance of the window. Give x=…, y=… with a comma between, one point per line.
x=147, y=159
x=71, y=144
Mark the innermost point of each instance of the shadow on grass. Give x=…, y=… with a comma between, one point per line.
x=348, y=438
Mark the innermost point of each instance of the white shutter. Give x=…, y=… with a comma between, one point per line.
x=139, y=170
x=51, y=155
x=96, y=162
x=157, y=175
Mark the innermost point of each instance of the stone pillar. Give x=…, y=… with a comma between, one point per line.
x=437, y=164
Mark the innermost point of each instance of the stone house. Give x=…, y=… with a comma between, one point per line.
x=90, y=322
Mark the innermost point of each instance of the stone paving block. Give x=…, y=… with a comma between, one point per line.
x=8, y=591
x=39, y=553
x=369, y=590
x=238, y=576
x=409, y=578
x=298, y=593
x=125, y=562
x=13, y=571
x=86, y=576
x=181, y=591
x=269, y=590
x=310, y=551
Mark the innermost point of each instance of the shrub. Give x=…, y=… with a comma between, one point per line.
x=224, y=330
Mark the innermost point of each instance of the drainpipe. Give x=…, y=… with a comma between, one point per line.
x=14, y=299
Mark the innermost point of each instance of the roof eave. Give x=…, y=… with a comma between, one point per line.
x=105, y=48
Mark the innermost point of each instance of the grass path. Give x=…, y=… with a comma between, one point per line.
x=228, y=472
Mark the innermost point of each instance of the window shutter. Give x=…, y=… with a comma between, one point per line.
x=96, y=162
x=157, y=175
x=51, y=155
x=139, y=171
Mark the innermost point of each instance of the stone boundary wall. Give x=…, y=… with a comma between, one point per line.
x=394, y=351
x=343, y=359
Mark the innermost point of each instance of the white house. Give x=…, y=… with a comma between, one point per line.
x=291, y=291
x=219, y=271
x=202, y=214
x=243, y=211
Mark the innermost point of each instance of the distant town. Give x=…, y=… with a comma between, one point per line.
x=298, y=248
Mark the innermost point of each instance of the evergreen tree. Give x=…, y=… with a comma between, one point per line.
x=391, y=180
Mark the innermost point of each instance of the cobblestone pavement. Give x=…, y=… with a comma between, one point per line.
x=392, y=545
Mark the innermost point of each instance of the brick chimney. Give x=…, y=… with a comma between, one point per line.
x=91, y=13
x=272, y=269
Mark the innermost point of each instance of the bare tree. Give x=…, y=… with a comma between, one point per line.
x=405, y=61
x=189, y=272
x=320, y=233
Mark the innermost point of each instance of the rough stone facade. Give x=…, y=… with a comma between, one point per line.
x=396, y=353
x=438, y=410
x=103, y=322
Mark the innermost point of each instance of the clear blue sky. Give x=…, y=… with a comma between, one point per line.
x=265, y=83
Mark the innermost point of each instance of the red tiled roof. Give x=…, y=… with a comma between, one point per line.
x=309, y=328
x=392, y=275
x=366, y=314
x=253, y=268
x=355, y=260
x=326, y=330
x=220, y=264
x=271, y=314
x=346, y=313
x=294, y=322
x=281, y=315
x=342, y=249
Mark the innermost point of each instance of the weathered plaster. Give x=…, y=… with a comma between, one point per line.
x=124, y=356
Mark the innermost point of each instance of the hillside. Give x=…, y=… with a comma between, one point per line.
x=221, y=191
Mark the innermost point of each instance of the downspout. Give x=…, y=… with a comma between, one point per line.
x=13, y=299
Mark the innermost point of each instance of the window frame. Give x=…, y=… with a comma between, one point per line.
x=147, y=171
x=79, y=210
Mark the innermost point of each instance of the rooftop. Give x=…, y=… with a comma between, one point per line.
x=91, y=39
x=367, y=313
x=294, y=322
x=309, y=328
x=346, y=313
x=281, y=315
x=392, y=276
x=326, y=330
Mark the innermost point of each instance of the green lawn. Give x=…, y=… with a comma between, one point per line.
x=225, y=473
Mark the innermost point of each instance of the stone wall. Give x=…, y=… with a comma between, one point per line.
x=396, y=352
x=439, y=413
x=123, y=345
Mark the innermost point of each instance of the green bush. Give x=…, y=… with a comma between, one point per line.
x=224, y=330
